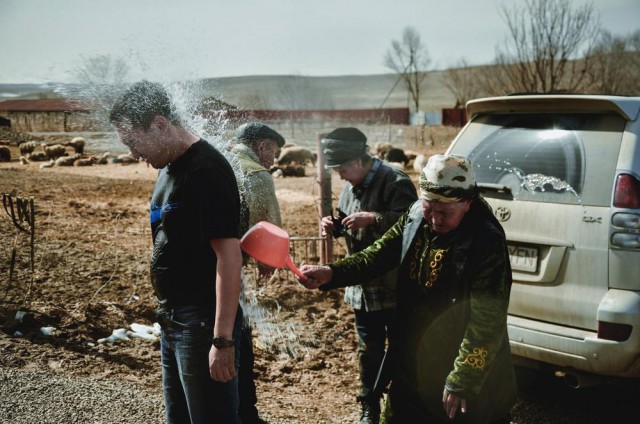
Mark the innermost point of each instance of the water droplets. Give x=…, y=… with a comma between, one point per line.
x=533, y=182
x=188, y=99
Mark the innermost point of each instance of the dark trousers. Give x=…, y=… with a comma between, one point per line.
x=246, y=384
x=372, y=328
x=190, y=395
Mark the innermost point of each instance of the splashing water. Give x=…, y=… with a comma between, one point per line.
x=187, y=97
x=532, y=183
x=272, y=333
x=535, y=183
x=538, y=181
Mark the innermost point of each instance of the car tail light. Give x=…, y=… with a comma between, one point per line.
x=627, y=192
x=613, y=331
x=626, y=220
x=626, y=240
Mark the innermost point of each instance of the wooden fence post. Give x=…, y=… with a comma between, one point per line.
x=324, y=203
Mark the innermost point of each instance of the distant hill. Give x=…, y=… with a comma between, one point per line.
x=291, y=92
x=336, y=92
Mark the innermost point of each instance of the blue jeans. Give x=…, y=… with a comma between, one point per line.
x=373, y=328
x=190, y=395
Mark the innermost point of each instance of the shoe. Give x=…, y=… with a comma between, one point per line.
x=370, y=413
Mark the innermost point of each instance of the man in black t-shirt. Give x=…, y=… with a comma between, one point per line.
x=196, y=259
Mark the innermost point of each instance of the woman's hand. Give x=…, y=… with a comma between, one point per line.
x=451, y=401
x=317, y=275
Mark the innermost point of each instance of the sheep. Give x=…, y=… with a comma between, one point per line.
x=103, y=159
x=37, y=156
x=296, y=154
x=420, y=162
x=27, y=147
x=124, y=159
x=5, y=154
x=24, y=160
x=67, y=160
x=48, y=164
x=77, y=143
x=293, y=170
x=397, y=156
x=86, y=161
x=380, y=149
x=54, y=151
x=411, y=155
x=284, y=146
x=397, y=165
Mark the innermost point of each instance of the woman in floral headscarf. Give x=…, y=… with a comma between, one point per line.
x=449, y=358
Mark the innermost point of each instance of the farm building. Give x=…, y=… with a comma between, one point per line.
x=46, y=115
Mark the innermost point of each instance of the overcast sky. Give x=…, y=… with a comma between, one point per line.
x=43, y=40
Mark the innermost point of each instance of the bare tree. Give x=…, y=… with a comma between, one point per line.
x=615, y=65
x=462, y=82
x=634, y=46
x=103, y=70
x=546, y=39
x=100, y=80
x=410, y=59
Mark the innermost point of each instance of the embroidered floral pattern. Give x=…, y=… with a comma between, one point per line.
x=431, y=258
x=477, y=358
x=435, y=265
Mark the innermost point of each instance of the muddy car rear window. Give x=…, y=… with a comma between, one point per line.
x=556, y=158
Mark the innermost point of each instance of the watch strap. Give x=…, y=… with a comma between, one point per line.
x=221, y=342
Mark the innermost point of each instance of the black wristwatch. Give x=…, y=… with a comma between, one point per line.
x=221, y=342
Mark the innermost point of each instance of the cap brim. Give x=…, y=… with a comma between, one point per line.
x=334, y=164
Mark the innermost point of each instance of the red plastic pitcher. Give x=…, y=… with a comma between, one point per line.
x=269, y=244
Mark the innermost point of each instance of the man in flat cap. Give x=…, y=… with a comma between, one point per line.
x=449, y=358
x=373, y=198
x=256, y=150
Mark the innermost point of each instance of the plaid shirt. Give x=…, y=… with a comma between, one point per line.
x=388, y=192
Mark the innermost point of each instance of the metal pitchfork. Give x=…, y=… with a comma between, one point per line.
x=22, y=213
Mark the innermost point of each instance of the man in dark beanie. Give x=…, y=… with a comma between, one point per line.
x=449, y=359
x=373, y=198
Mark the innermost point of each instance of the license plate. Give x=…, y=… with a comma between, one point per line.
x=523, y=258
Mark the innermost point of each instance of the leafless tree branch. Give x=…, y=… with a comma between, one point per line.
x=410, y=59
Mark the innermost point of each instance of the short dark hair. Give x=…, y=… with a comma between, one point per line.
x=141, y=103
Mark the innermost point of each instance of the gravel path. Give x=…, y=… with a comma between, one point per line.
x=36, y=397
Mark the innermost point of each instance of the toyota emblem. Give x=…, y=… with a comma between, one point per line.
x=503, y=213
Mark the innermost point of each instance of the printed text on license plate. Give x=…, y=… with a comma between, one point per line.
x=523, y=258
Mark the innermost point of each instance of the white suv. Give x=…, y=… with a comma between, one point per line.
x=562, y=173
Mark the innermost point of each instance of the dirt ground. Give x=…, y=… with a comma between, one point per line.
x=92, y=246
x=90, y=277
